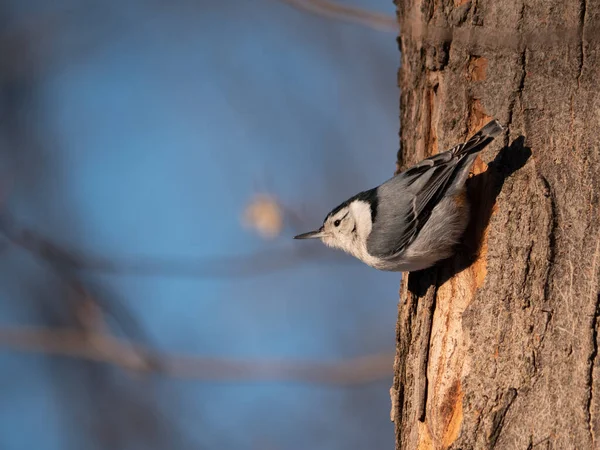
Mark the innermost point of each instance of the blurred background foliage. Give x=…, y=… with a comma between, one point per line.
x=155, y=160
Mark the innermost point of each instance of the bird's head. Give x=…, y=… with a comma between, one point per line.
x=346, y=227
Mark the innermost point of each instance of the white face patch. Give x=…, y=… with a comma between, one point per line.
x=349, y=229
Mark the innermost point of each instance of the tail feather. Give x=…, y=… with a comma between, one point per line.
x=479, y=140
x=491, y=129
x=468, y=151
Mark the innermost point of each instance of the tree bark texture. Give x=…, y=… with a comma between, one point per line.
x=498, y=347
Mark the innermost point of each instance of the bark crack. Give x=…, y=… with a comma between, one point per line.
x=549, y=315
x=522, y=63
x=592, y=363
x=404, y=336
x=551, y=235
x=582, y=14
x=526, y=301
x=499, y=416
x=429, y=306
x=519, y=92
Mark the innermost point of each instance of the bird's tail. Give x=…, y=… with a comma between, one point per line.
x=467, y=152
x=479, y=140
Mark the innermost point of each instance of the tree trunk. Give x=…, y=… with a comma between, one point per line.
x=498, y=347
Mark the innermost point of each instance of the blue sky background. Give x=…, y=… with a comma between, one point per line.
x=141, y=130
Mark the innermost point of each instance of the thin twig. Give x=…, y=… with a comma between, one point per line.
x=103, y=348
x=332, y=10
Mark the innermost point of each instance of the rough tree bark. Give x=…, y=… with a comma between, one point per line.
x=498, y=347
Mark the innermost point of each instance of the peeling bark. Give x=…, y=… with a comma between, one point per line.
x=498, y=347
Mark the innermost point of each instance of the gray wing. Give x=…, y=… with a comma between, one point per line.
x=405, y=202
x=404, y=205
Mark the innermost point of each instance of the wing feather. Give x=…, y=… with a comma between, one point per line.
x=395, y=229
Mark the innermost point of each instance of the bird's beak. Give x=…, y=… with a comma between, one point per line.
x=311, y=234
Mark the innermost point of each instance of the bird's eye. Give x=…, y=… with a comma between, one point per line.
x=337, y=223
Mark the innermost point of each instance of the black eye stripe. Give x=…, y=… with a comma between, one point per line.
x=339, y=221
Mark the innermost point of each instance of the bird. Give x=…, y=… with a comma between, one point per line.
x=413, y=220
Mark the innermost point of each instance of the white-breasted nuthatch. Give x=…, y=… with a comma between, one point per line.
x=414, y=219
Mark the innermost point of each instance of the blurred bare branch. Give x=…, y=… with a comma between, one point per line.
x=333, y=10
x=87, y=304
x=107, y=349
x=258, y=263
